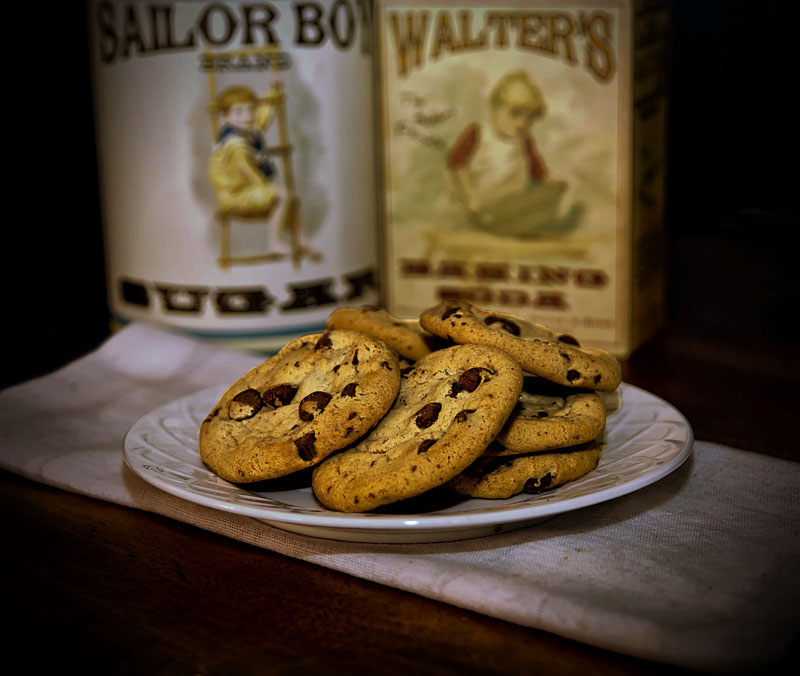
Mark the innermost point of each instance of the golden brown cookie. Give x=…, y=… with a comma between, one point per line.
x=450, y=407
x=539, y=350
x=320, y=393
x=404, y=336
x=549, y=416
x=503, y=477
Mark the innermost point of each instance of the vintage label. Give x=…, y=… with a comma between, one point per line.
x=506, y=160
x=236, y=160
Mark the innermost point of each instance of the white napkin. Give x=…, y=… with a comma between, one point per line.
x=699, y=569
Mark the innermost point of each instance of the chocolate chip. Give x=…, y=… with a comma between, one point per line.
x=461, y=416
x=425, y=445
x=349, y=390
x=249, y=397
x=427, y=415
x=450, y=311
x=597, y=378
x=323, y=342
x=355, y=358
x=352, y=415
x=336, y=368
x=245, y=404
x=531, y=486
x=312, y=404
x=280, y=395
x=386, y=365
x=305, y=446
x=348, y=431
x=536, y=485
x=572, y=374
x=568, y=339
x=455, y=388
x=470, y=379
x=505, y=324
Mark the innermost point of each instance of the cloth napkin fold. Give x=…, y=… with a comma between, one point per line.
x=699, y=569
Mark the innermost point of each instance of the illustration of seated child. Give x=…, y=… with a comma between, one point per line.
x=491, y=164
x=240, y=170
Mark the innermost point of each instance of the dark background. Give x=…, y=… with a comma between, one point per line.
x=732, y=183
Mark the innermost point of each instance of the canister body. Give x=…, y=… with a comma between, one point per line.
x=245, y=230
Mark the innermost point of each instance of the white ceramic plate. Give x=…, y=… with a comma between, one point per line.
x=645, y=440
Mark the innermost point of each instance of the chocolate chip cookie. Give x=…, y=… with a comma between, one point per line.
x=503, y=477
x=404, y=336
x=449, y=408
x=549, y=416
x=320, y=393
x=539, y=350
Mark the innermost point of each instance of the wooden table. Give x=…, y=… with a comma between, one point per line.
x=98, y=588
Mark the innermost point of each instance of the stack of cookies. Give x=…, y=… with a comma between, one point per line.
x=485, y=404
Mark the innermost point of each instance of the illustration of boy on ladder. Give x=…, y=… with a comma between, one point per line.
x=242, y=174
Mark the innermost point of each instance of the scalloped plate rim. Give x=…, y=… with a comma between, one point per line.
x=506, y=514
